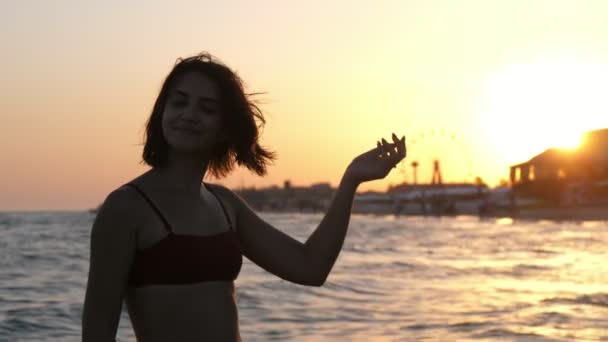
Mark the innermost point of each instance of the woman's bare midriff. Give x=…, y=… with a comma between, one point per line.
x=191, y=312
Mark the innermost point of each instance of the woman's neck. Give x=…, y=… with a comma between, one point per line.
x=183, y=174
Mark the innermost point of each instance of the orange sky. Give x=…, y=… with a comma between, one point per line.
x=505, y=78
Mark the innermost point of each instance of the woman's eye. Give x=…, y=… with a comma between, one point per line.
x=179, y=103
x=209, y=110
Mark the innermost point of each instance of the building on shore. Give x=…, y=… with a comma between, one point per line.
x=289, y=198
x=563, y=177
x=564, y=183
x=424, y=199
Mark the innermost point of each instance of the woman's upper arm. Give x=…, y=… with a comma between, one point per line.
x=112, y=247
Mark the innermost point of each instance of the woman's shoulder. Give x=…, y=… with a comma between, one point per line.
x=123, y=202
x=129, y=194
x=222, y=191
x=232, y=198
x=123, y=196
x=218, y=187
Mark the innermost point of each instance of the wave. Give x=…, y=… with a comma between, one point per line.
x=506, y=333
x=597, y=299
x=549, y=318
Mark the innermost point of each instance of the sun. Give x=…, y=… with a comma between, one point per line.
x=529, y=107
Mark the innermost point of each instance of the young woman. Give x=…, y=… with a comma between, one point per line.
x=171, y=245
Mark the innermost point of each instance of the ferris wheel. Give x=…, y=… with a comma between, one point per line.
x=436, y=156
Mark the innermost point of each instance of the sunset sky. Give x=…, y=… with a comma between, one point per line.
x=479, y=84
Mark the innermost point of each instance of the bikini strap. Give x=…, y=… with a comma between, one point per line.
x=221, y=204
x=154, y=207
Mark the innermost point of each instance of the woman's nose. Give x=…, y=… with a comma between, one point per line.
x=191, y=112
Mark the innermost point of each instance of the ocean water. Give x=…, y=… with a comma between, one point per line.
x=397, y=279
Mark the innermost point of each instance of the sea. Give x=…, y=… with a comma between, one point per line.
x=396, y=279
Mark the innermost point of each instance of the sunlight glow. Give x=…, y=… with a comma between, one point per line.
x=534, y=106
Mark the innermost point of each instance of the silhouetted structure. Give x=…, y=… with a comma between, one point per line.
x=566, y=177
x=436, y=173
x=415, y=168
x=314, y=198
x=424, y=199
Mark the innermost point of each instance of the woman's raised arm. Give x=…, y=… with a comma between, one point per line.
x=310, y=263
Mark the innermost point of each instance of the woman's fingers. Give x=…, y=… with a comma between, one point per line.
x=382, y=150
x=400, y=143
x=387, y=147
x=391, y=151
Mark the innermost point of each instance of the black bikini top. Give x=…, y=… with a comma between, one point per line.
x=186, y=259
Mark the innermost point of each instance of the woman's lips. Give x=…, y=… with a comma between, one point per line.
x=187, y=130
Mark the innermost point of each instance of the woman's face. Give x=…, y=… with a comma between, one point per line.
x=192, y=119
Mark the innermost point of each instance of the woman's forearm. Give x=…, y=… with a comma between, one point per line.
x=325, y=243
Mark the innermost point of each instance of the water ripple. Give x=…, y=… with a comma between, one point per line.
x=598, y=299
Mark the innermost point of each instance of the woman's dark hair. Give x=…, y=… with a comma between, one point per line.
x=242, y=120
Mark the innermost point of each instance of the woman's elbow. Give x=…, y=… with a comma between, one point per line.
x=316, y=279
x=317, y=274
x=306, y=279
x=317, y=282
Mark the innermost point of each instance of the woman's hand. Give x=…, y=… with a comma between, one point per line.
x=377, y=163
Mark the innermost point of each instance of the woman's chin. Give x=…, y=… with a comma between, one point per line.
x=186, y=148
